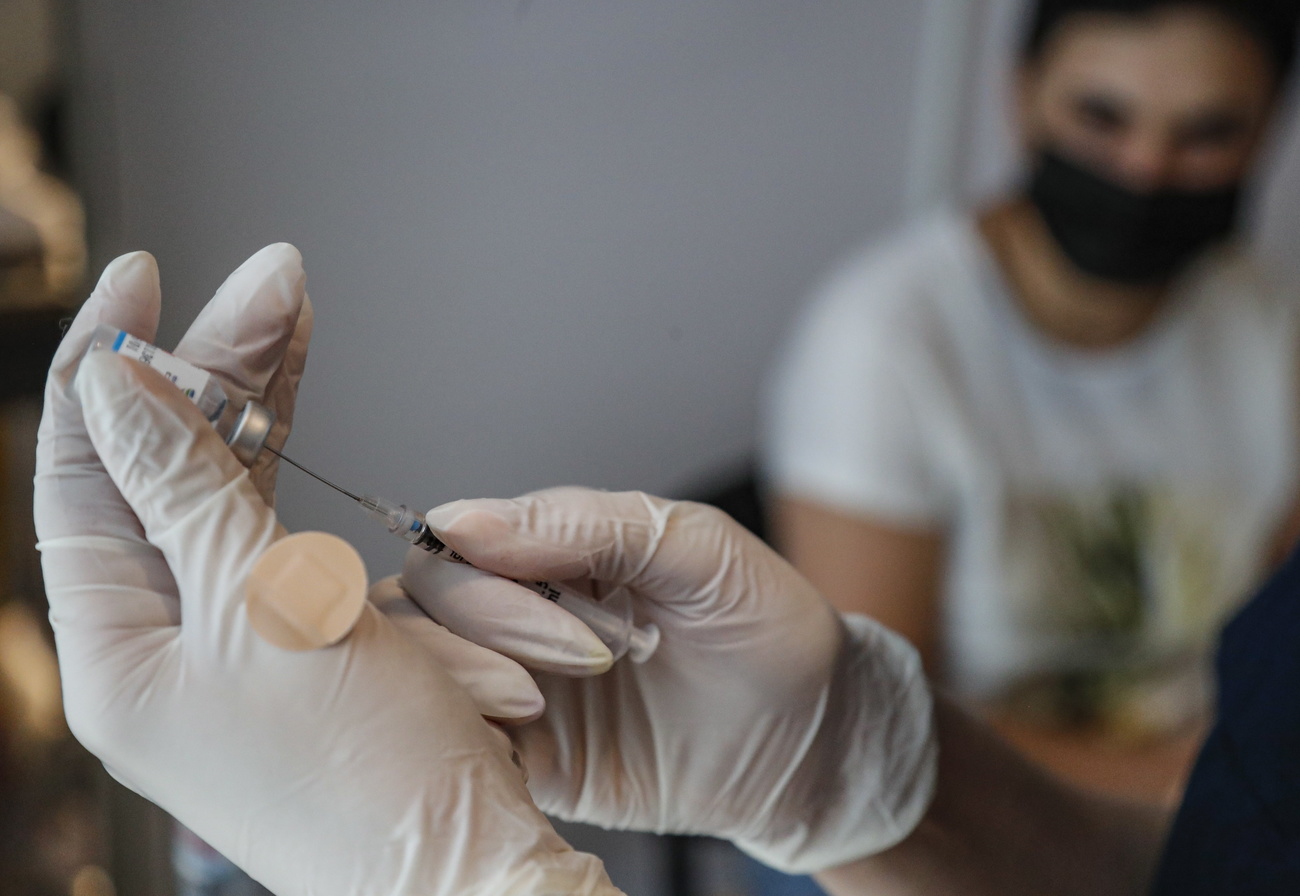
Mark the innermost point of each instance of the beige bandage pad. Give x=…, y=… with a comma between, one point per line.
x=306, y=591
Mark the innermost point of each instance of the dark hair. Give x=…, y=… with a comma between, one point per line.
x=1272, y=22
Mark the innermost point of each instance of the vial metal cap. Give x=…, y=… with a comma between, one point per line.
x=250, y=431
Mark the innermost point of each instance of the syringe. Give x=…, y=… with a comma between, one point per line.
x=246, y=433
x=610, y=619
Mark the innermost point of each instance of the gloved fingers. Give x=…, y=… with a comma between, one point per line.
x=128, y=296
x=104, y=583
x=667, y=550
x=281, y=396
x=244, y=332
x=194, y=499
x=588, y=755
x=501, y=689
x=503, y=616
x=253, y=337
x=522, y=537
x=281, y=390
x=714, y=590
x=96, y=584
x=113, y=607
x=73, y=495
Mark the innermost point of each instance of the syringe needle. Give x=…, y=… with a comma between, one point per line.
x=614, y=628
x=315, y=476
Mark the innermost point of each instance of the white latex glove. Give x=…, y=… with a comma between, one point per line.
x=358, y=769
x=763, y=718
x=253, y=336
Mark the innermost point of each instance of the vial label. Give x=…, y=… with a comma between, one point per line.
x=191, y=380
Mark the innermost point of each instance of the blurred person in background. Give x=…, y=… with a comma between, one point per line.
x=1052, y=440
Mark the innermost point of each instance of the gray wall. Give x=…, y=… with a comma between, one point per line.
x=548, y=241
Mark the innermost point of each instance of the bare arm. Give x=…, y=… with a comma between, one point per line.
x=1286, y=536
x=888, y=572
x=1152, y=771
x=1000, y=826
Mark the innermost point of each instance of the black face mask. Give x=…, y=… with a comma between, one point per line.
x=1114, y=233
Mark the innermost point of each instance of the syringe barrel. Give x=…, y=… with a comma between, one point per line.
x=610, y=619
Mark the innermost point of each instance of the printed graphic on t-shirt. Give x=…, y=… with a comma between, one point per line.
x=1120, y=592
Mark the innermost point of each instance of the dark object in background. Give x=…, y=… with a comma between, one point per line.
x=738, y=495
x=51, y=790
x=28, y=339
x=1238, y=829
x=1272, y=22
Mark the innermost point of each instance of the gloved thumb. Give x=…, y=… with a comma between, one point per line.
x=194, y=499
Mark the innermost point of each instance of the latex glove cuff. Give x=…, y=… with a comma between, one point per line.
x=868, y=774
x=564, y=874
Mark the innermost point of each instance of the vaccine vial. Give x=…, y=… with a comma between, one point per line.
x=245, y=432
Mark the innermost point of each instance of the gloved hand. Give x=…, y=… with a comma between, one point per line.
x=763, y=718
x=363, y=768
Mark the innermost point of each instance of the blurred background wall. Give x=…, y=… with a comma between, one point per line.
x=548, y=241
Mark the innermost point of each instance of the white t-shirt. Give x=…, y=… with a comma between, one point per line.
x=1104, y=510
